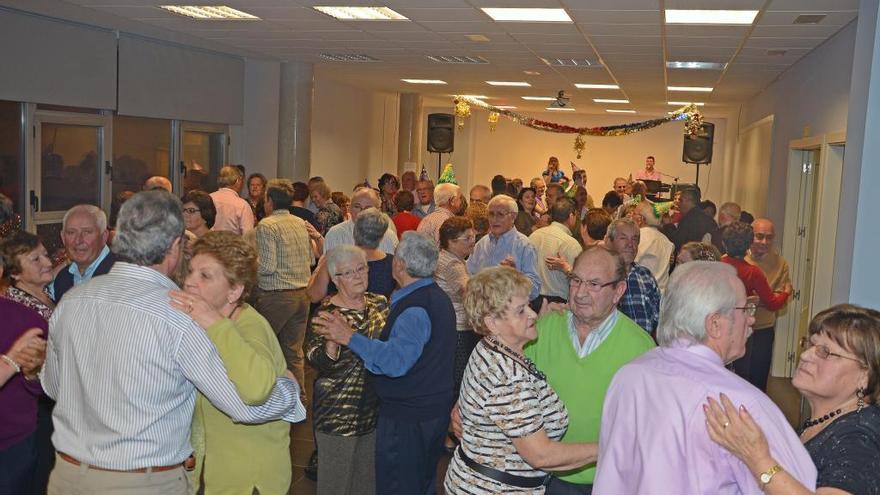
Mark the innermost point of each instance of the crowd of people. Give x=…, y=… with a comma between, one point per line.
x=542, y=343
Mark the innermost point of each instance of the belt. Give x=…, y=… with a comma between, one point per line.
x=503, y=477
x=155, y=469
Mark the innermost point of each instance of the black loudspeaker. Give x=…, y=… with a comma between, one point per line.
x=698, y=149
x=441, y=133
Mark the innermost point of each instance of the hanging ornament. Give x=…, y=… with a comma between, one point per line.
x=462, y=111
x=579, y=145
x=493, y=121
x=694, y=122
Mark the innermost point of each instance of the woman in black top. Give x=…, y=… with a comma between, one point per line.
x=839, y=375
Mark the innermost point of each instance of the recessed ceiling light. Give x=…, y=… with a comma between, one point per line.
x=683, y=103
x=596, y=86
x=610, y=110
x=362, y=13
x=348, y=57
x=423, y=81
x=477, y=37
x=506, y=107
x=531, y=73
x=696, y=65
x=457, y=59
x=698, y=89
x=519, y=84
x=560, y=109
x=539, y=98
x=675, y=16
x=210, y=12
x=527, y=15
x=607, y=100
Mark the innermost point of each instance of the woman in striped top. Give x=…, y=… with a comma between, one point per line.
x=511, y=419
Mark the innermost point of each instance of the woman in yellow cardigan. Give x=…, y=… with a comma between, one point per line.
x=232, y=458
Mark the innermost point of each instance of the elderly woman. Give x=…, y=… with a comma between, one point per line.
x=738, y=237
x=697, y=251
x=27, y=272
x=527, y=218
x=369, y=229
x=256, y=184
x=198, y=212
x=328, y=213
x=839, y=375
x=345, y=407
x=511, y=418
x=233, y=457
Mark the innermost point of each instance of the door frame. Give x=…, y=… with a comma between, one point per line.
x=178, y=167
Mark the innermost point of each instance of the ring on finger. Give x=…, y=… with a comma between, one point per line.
x=726, y=424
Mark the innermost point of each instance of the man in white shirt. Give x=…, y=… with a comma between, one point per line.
x=556, y=241
x=343, y=233
x=234, y=213
x=655, y=249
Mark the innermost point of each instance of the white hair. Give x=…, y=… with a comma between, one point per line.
x=374, y=196
x=344, y=253
x=419, y=253
x=444, y=193
x=92, y=210
x=696, y=290
x=506, y=201
x=147, y=227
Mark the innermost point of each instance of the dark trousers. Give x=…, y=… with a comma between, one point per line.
x=18, y=465
x=407, y=453
x=562, y=487
x=754, y=366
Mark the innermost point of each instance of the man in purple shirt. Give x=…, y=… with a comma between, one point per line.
x=654, y=438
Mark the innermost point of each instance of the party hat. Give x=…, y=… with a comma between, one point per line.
x=661, y=209
x=424, y=174
x=448, y=175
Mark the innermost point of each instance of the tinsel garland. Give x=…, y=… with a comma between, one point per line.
x=689, y=113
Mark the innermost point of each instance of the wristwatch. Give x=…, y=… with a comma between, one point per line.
x=767, y=475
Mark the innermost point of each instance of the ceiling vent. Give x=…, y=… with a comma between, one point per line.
x=457, y=59
x=809, y=19
x=571, y=62
x=348, y=57
x=776, y=53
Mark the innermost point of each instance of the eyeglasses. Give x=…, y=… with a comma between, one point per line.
x=749, y=309
x=190, y=211
x=591, y=285
x=764, y=237
x=823, y=352
x=466, y=238
x=357, y=272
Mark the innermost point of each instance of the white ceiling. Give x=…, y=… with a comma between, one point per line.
x=627, y=39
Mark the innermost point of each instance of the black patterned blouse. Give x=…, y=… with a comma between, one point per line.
x=847, y=453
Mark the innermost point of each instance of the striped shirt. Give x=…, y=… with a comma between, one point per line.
x=431, y=224
x=285, y=251
x=595, y=338
x=124, y=366
x=500, y=400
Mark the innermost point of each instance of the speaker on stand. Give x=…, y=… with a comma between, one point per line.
x=698, y=149
x=441, y=136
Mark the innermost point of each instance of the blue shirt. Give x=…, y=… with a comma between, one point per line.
x=641, y=301
x=491, y=251
x=408, y=337
x=78, y=279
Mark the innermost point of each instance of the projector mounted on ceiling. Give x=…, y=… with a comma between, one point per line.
x=562, y=100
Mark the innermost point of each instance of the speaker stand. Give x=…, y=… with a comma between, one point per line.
x=439, y=165
x=698, y=175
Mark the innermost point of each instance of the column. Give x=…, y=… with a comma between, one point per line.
x=295, y=120
x=409, y=132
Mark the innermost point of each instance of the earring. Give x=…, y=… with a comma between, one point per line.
x=860, y=394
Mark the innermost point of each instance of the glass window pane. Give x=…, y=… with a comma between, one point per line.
x=10, y=153
x=69, y=166
x=50, y=234
x=141, y=149
x=203, y=158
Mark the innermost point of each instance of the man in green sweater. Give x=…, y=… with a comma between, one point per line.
x=580, y=349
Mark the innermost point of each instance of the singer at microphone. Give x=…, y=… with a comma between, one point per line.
x=648, y=173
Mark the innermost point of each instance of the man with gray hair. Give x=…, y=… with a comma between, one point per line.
x=641, y=301
x=655, y=249
x=234, y=213
x=284, y=249
x=728, y=213
x=411, y=369
x=124, y=365
x=654, y=438
x=343, y=233
x=505, y=245
x=84, y=234
x=447, y=198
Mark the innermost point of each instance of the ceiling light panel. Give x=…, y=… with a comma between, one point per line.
x=728, y=17
x=361, y=13
x=694, y=89
x=696, y=65
x=423, y=81
x=611, y=110
x=478, y=38
x=608, y=100
x=683, y=103
x=348, y=57
x=527, y=15
x=596, y=86
x=457, y=59
x=210, y=12
x=517, y=84
x=505, y=107
x=539, y=98
x=560, y=109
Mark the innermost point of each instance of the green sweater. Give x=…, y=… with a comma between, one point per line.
x=581, y=383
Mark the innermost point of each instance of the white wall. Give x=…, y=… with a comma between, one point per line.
x=514, y=150
x=255, y=144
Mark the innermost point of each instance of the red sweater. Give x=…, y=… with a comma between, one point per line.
x=756, y=283
x=405, y=221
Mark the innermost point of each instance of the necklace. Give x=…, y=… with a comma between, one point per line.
x=811, y=422
x=522, y=360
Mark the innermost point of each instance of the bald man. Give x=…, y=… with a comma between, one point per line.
x=157, y=182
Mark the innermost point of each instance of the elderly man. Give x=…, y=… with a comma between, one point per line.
x=540, y=187
x=447, y=198
x=157, y=182
x=655, y=249
x=343, y=233
x=84, y=234
x=505, y=245
x=754, y=366
x=620, y=188
x=124, y=366
x=234, y=213
x=411, y=370
x=284, y=249
x=480, y=194
x=641, y=301
x=728, y=213
x=425, y=196
x=555, y=244
x=654, y=438
x=694, y=225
